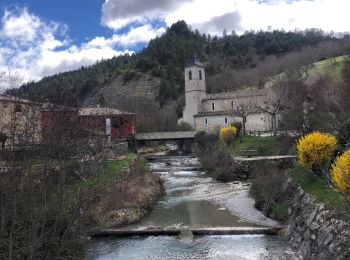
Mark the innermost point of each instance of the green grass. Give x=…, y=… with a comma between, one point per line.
x=269, y=145
x=324, y=67
x=281, y=210
x=110, y=172
x=330, y=67
x=318, y=187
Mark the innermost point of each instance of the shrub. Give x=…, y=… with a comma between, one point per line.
x=184, y=126
x=222, y=167
x=204, y=142
x=315, y=149
x=341, y=174
x=228, y=134
x=238, y=126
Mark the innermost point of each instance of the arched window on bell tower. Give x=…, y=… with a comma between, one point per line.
x=190, y=75
x=200, y=74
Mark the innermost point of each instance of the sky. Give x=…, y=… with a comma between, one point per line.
x=40, y=38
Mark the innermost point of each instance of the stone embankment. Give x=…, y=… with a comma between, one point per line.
x=316, y=232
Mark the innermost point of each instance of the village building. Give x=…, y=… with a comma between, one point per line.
x=107, y=123
x=25, y=124
x=19, y=122
x=210, y=112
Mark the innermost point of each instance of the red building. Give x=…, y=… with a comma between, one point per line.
x=111, y=123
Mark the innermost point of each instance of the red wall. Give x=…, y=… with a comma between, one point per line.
x=122, y=125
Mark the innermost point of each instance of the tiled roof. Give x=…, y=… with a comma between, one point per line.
x=194, y=61
x=15, y=99
x=227, y=112
x=237, y=94
x=102, y=111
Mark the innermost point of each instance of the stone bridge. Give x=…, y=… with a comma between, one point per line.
x=165, y=136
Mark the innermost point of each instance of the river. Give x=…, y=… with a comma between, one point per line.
x=196, y=200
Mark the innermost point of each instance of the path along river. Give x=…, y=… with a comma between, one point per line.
x=196, y=200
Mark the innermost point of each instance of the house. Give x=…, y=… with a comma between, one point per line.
x=210, y=112
x=19, y=122
x=110, y=123
x=24, y=124
x=116, y=124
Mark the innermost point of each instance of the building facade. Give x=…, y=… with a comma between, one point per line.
x=105, y=122
x=210, y=112
x=19, y=122
x=25, y=124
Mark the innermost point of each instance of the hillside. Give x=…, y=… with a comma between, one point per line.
x=112, y=94
x=332, y=67
x=232, y=61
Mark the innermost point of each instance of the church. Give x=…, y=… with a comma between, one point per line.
x=210, y=112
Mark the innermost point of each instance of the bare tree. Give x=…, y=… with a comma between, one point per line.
x=278, y=100
x=242, y=112
x=331, y=106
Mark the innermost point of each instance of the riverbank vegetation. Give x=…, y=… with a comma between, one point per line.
x=126, y=198
x=48, y=205
x=218, y=163
x=264, y=146
x=319, y=188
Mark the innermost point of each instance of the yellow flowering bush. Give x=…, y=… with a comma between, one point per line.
x=341, y=173
x=315, y=149
x=228, y=134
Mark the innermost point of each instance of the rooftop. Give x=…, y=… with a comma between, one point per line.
x=102, y=111
x=15, y=99
x=226, y=113
x=237, y=94
x=194, y=62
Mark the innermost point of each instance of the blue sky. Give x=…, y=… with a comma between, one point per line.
x=42, y=37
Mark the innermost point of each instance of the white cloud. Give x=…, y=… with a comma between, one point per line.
x=325, y=14
x=141, y=34
x=118, y=13
x=210, y=16
x=34, y=48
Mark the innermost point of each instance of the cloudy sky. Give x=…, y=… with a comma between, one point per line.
x=43, y=37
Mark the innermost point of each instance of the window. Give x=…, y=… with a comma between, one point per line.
x=200, y=74
x=206, y=121
x=212, y=106
x=231, y=104
x=18, y=108
x=190, y=75
x=225, y=120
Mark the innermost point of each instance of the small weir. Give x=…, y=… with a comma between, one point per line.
x=180, y=231
x=198, y=218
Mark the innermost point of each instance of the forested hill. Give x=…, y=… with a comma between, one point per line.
x=165, y=56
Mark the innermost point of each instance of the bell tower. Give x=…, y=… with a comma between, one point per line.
x=195, y=90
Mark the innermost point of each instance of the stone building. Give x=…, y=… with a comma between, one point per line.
x=19, y=122
x=210, y=112
x=25, y=124
x=103, y=122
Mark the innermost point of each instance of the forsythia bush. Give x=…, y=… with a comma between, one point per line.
x=341, y=173
x=228, y=134
x=316, y=149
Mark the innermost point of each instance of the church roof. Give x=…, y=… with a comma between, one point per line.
x=102, y=111
x=253, y=110
x=237, y=94
x=194, y=62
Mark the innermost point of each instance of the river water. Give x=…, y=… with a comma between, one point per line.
x=196, y=200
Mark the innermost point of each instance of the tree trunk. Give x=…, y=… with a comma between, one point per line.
x=274, y=124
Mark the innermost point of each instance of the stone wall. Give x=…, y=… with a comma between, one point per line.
x=315, y=232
